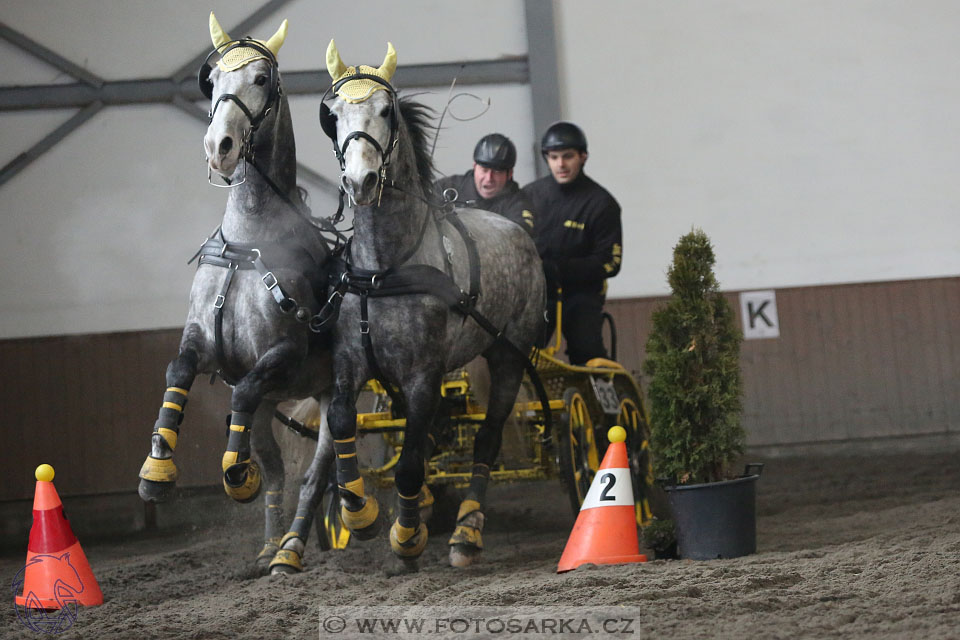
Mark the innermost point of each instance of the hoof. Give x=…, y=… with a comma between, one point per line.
x=464, y=555
x=151, y=491
x=408, y=543
x=365, y=523
x=241, y=481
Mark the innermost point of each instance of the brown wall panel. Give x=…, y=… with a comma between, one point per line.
x=87, y=404
x=852, y=363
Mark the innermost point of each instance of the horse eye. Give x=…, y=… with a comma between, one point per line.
x=260, y=80
x=385, y=112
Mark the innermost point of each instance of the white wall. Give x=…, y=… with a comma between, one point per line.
x=814, y=141
x=95, y=234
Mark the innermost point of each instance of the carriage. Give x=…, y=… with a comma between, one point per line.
x=585, y=400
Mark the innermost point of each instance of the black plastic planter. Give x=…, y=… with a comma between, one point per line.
x=716, y=519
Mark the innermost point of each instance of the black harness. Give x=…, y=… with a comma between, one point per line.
x=421, y=279
x=288, y=252
x=404, y=279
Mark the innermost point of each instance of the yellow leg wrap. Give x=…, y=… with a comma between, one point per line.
x=466, y=508
x=287, y=558
x=357, y=521
x=469, y=526
x=355, y=487
x=157, y=470
x=248, y=488
x=467, y=535
x=170, y=436
x=408, y=542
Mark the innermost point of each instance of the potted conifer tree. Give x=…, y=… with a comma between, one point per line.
x=693, y=364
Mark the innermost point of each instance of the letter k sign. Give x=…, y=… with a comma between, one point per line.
x=759, y=312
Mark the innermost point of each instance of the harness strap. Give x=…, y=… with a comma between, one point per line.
x=218, y=324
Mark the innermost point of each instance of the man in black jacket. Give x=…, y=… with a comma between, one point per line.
x=579, y=238
x=490, y=184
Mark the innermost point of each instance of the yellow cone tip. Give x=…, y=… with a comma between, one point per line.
x=617, y=434
x=44, y=473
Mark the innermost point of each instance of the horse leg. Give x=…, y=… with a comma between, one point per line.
x=268, y=452
x=506, y=373
x=289, y=557
x=158, y=475
x=358, y=511
x=241, y=475
x=408, y=535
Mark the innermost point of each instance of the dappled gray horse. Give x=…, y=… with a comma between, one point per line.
x=258, y=288
x=416, y=272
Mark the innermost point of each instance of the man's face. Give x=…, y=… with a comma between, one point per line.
x=489, y=182
x=565, y=164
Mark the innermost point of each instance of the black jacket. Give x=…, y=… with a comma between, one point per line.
x=578, y=229
x=511, y=203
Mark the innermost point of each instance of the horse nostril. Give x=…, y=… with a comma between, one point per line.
x=347, y=184
x=369, y=182
x=226, y=145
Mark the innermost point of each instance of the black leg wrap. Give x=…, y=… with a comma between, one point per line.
x=479, y=479
x=409, y=511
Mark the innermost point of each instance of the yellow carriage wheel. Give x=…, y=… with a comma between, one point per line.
x=641, y=463
x=579, y=457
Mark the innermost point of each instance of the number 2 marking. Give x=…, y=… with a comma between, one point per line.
x=613, y=481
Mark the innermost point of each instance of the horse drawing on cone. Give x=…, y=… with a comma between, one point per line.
x=254, y=303
x=416, y=272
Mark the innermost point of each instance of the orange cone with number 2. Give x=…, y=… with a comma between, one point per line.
x=606, y=529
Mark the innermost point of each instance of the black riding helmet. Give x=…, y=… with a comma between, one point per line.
x=495, y=151
x=563, y=135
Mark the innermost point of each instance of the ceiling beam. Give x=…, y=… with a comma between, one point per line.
x=544, y=74
x=16, y=165
x=165, y=90
x=49, y=56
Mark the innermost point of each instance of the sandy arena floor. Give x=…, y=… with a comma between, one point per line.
x=848, y=548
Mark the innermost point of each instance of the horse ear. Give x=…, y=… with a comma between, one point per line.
x=276, y=40
x=217, y=34
x=389, y=63
x=335, y=66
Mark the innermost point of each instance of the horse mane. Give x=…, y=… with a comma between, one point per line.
x=418, y=118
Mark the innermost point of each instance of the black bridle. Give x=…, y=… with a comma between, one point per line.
x=328, y=122
x=274, y=93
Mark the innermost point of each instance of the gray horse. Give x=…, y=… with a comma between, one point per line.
x=389, y=328
x=254, y=298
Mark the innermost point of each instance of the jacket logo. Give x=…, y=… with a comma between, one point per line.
x=573, y=224
x=527, y=217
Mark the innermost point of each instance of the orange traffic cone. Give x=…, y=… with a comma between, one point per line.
x=57, y=573
x=606, y=529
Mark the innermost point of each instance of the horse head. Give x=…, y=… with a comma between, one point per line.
x=363, y=122
x=243, y=88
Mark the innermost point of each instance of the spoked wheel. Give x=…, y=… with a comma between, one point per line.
x=331, y=533
x=641, y=463
x=579, y=454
